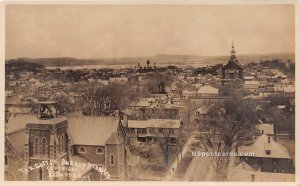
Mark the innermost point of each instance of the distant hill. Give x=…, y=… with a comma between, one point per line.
x=19, y=65
x=159, y=59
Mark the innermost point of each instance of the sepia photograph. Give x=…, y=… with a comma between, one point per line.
x=150, y=92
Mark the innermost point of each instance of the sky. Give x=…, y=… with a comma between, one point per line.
x=113, y=31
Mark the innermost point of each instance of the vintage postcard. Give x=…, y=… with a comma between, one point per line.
x=150, y=92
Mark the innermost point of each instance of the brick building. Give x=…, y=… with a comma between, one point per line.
x=233, y=71
x=35, y=140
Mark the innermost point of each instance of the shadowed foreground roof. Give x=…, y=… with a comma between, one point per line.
x=18, y=122
x=86, y=130
x=243, y=172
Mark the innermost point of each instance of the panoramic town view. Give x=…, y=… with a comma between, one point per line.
x=159, y=117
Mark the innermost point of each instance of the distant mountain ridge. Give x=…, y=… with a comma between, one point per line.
x=158, y=59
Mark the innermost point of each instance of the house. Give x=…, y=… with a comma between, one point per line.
x=207, y=91
x=202, y=113
x=189, y=93
x=148, y=132
x=244, y=172
x=267, y=129
x=120, y=80
x=252, y=86
x=269, y=156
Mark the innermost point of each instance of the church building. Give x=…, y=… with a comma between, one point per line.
x=233, y=71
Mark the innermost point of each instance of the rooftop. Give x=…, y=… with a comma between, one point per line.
x=260, y=146
x=86, y=130
x=154, y=123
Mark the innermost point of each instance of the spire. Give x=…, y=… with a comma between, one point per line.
x=232, y=49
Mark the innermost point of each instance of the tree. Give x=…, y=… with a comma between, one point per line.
x=63, y=104
x=157, y=83
x=229, y=123
x=170, y=142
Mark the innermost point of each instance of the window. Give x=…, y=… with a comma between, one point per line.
x=6, y=160
x=144, y=131
x=132, y=131
x=44, y=147
x=151, y=130
x=40, y=174
x=111, y=159
x=99, y=151
x=171, y=131
x=275, y=162
x=59, y=142
x=252, y=177
x=62, y=143
x=81, y=150
x=36, y=147
x=54, y=149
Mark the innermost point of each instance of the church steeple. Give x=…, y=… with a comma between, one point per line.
x=232, y=49
x=232, y=54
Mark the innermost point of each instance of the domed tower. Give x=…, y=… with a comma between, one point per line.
x=46, y=139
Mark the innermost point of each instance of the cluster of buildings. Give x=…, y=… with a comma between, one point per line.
x=103, y=145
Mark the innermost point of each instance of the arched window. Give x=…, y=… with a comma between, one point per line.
x=99, y=150
x=54, y=146
x=59, y=141
x=6, y=160
x=81, y=150
x=62, y=141
x=65, y=142
x=44, y=147
x=36, y=147
x=40, y=174
x=111, y=159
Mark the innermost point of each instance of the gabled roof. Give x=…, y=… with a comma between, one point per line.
x=17, y=139
x=114, y=139
x=18, y=122
x=233, y=65
x=130, y=112
x=206, y=89
x=260, y=146
x=267, y=128
x=86, y=130
x=243, y=166
x=246, y=174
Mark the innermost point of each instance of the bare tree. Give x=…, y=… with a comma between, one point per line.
x=170, y=142
x=226, y=127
